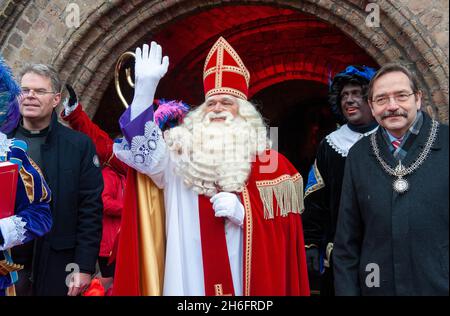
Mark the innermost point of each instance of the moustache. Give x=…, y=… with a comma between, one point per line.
x=393, y=114
x=211, y=115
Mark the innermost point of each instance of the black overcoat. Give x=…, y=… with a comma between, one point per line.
x=405, y=235
x=71, y=169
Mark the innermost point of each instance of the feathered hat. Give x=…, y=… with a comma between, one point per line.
x=9, y=107
x=359, y=75
x=170, y=113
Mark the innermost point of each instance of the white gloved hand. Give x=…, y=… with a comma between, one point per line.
x=68, y=109
x=149, y=69
x=227, y=204
x=71, y=102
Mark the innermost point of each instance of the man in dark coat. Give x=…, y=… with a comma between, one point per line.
x=323, y=190
x=392, y=232
x=29, y=216
x=64, y=259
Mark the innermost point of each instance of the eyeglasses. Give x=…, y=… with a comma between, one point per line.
x=40, y=92
x=398, y=97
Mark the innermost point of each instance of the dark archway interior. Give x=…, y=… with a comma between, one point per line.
x=290, y=56
x=300, y=111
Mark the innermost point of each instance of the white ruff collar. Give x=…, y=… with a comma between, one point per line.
x=344, y=138
x=5, y=143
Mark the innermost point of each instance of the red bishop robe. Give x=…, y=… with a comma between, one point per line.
x=273, y=252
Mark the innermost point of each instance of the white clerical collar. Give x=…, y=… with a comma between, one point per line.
x=344, y=138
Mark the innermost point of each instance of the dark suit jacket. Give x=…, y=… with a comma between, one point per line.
x=71, y=169
x=405, y=235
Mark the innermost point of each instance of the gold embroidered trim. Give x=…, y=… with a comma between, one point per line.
x=273, y=182
x=28, y=182
x=288, y=192
x=248, y=241
x=44, y=190
x=11, y=291
x=320, y=183
x=8, y=267
x=107, y=163
x=231, y=91
x=218, y=290
x=219, y=67
x=234, y=69
x=211, y=52
x=296, y=177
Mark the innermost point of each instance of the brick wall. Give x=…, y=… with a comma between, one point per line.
x=413, y=31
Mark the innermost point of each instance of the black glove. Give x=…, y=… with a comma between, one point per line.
x=72, y=95
x=312, y=259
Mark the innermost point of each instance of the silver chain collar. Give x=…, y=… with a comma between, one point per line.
x=401, y=185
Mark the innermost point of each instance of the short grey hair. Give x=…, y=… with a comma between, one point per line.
x=44, y=71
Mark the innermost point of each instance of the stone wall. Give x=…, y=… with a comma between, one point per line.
x=413, y=31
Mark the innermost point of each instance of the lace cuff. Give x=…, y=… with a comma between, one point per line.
x=146, y=152
x=68, y=109
x=13, y=231
x=5, y=145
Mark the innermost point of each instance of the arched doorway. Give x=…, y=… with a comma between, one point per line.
x=299, y=110
x=310, y=39
x=88, y=54
x=290, y=55
x=282, y=76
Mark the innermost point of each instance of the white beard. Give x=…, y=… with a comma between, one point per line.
x=214, y=156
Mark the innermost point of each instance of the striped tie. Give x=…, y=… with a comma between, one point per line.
x=396, y=143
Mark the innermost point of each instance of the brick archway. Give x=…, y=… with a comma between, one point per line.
x=88, y=55
x=9, y=12
x=276, y=46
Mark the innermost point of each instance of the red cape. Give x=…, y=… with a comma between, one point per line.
x=274, y=251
